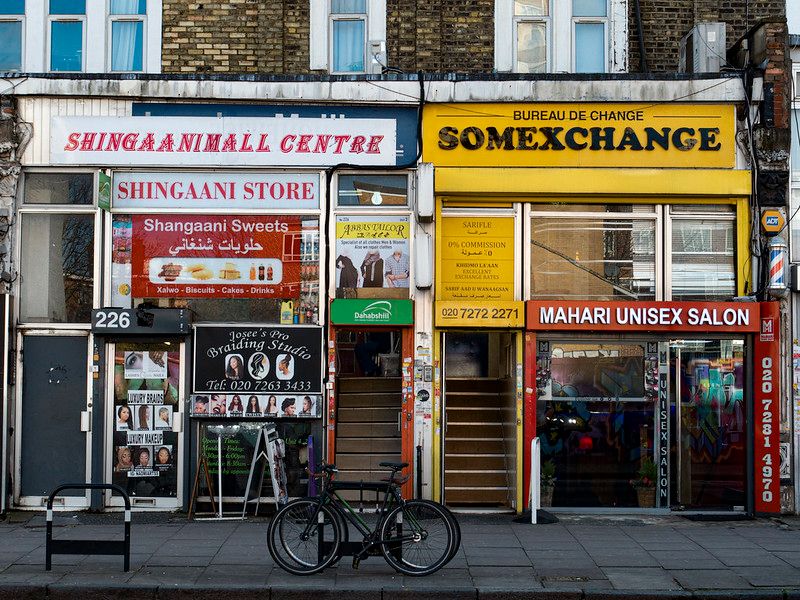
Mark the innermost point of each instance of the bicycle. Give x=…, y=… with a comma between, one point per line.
x=416, y=537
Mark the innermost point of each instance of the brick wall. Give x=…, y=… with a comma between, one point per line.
x=665, y=22
x=272, y=36
x=235, y=36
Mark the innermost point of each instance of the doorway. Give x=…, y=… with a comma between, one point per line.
x=709, y=439
x=369, y=397
x=144, y=428
x=54, y=444
x=480, y=419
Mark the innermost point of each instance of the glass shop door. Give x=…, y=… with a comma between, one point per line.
x=144, y=422
x=708, y=424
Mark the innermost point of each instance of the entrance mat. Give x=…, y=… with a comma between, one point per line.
x=719, y=517
x=542, y=518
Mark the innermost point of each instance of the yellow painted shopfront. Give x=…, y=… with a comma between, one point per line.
x=594, y=202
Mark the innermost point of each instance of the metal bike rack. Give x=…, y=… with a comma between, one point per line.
x=105, y=547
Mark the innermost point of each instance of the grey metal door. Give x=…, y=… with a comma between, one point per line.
x=53, y=449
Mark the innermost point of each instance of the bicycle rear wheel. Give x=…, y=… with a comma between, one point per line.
x=453, y=522
x=417, y=538
x=303, y=537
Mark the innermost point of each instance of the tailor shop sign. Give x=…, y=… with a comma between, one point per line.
x=580, y=135
x=226, y=141
x=643, y=316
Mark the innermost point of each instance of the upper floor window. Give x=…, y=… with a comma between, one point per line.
x=12, y=13
x=67, y=20
x=345, y=33
x=127, y=23
x=589, y=33
x=348, y=36
x=560, y=36
x=531, y=30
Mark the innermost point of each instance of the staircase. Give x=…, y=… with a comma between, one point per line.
x=366, y=430
x=475, y=462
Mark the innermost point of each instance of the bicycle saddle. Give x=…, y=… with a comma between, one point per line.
x=394, y=466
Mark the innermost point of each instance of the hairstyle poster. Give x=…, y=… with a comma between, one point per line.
x=255, y=360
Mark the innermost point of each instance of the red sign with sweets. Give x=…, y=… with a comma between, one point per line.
x=205, y=256
x=642, y=316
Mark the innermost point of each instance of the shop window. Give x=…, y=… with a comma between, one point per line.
x=67, y=21
x=342, y=33
x=57, y=259
x=703, y=259
x=59, y=188
x=372, y=190
x=12, y=14
x=127, y=24
x=595, y=419
x=590, y=256
x=193, y=261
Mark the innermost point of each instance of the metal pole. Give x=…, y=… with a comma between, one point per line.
x=219, y=473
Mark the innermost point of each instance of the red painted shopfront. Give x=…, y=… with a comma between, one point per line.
x=676, y=398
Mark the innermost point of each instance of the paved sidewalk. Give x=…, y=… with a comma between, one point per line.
x=579, y=557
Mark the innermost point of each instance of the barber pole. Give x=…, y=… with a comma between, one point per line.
x=777, y=265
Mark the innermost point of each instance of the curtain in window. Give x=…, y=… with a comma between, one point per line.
x=348, y=45
x=128, y=7
x=349, y=6
x=126, y=45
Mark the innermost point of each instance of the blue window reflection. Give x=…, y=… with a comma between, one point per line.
x=348, y=46
x=12, y=7
x=66, y=46
x=67, y=7
x=11, y=48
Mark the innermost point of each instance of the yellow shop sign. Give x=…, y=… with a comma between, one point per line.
x=580, y=135
x=476, y=258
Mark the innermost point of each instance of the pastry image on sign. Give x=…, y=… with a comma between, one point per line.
x=230, y=272
x=170, y=271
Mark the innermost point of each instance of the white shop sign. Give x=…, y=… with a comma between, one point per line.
x=218, y=190
x=226, y=141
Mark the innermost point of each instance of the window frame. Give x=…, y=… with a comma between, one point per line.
x=21, y=20
x=561, y=44
x=110, y=20
x=320, y=38
x=369, y=210
x=65, y=19
x=334, y=18
x=606, y=42
x=548, y=32
x=60, y=209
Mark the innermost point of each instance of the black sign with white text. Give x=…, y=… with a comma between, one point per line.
x=258, y=359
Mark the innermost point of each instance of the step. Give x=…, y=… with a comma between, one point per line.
x=473, y=446
x=475, y=430
x=489, y=462
x=367, y=415
x=474, y=478
x=369, y=399
x=368, y=384
x=475, y=384
x=373, y=430
x=369, y=445
x=456, y=497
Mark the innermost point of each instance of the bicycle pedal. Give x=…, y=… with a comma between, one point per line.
x=356, y=562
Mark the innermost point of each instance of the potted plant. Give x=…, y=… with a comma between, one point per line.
x=548, y=482
x=645, y=483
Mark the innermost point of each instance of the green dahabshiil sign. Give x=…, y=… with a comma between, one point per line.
x=372, y=311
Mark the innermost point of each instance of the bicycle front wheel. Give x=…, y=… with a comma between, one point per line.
x=303, y=537
x=417, y=538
